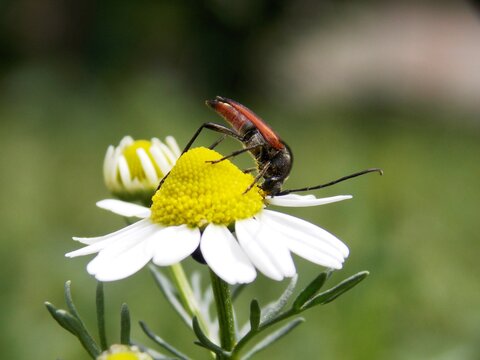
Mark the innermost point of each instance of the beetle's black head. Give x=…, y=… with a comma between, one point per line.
x=272, y=186
x=279, y=166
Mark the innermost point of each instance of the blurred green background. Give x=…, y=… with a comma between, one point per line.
x=348, y=85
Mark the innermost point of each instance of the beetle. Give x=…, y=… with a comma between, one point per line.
x=273, y=156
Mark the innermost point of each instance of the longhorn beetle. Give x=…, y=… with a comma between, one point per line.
x=273, y=156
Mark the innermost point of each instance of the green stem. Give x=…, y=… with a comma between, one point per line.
x=226, y=321
x=186, y=295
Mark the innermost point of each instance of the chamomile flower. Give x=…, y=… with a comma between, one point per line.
x=204, y=206
x=133, y=169
x=123, y=352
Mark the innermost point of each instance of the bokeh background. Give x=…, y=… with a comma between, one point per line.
x=348, y=85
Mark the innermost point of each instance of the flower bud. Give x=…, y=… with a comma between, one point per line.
x=123, y=352
x=133, y=169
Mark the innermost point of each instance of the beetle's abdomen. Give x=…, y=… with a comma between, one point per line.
x=231, y=115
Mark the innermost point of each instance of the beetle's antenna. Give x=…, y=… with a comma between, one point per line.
x=351, y=176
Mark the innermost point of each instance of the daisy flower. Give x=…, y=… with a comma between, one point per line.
x=203, y=206
x=133, y=169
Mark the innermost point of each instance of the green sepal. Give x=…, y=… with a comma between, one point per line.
x=309, y=291
x=255, y=314
x=331, y=294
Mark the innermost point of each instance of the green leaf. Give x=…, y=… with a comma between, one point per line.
x=204, y=341
x=124, y=325
x=168, y=291
x=255, y=314
x=308, y=292
x=273, y=337
x=69, y=300
x=74, y=326
x=60, y=317
x=100, y=305
x=331, y=294
x=272, y=310
x=162, y=342
x=84, y=336
x=84, y=333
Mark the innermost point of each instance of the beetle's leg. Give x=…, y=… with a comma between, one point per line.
x=215, y=127
x=161, y=181
x=235, y=153
x=249, y=170
x=219, y=140
x=259, y=175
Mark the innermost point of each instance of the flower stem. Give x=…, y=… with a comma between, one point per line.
x=226, y=321
x=186, y=295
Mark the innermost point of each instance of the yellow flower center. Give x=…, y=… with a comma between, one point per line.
x=197, y=192
x=123, y=356
x=133, y=161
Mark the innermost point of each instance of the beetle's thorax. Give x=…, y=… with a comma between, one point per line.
x=275, y=164
x=279, y=166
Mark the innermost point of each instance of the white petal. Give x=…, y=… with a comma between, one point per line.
x=116, y=243
x=124, y=171
x=247, y=233
x=114, y=167
x=124, y=242
x=272, y=242
x=126, y=141
x=124, y=208
x=173, y=244
x=292, y=223
x=148, y=168
x=305, y=240
x=171, y=154
x=310, y=253
x=108, y=164
x=121, y=265
x=225, y=256
x=170, y=140
x=160, y=159
x=295, y=200
x=126, y=231
x=129, y=251
x=172, y=158
x=316, y=249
